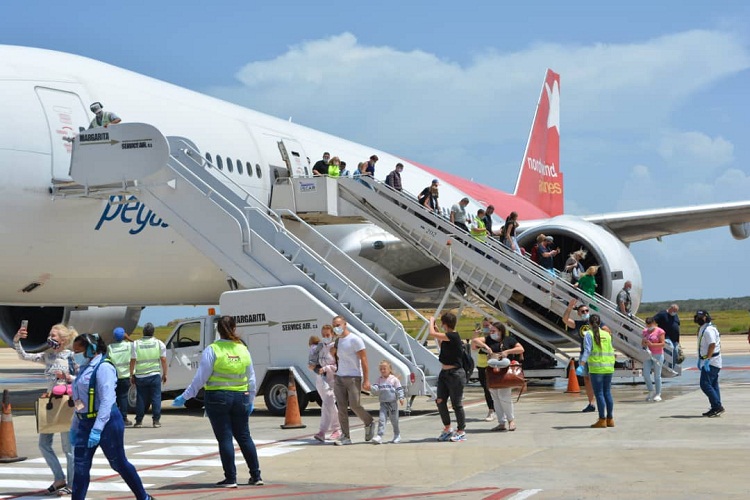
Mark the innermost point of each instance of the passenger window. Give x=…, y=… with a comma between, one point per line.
x=257, y=170
x=230, y=167
x=208, y=158
x=219, y=163
x=249, y=169
x=239, y=167
x=187, y=335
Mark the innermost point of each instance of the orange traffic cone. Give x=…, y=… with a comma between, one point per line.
x=292, y=419
x=573, y=378
x=8, y=452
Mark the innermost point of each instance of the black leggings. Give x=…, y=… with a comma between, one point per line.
x=451, y=385
x=482, y=372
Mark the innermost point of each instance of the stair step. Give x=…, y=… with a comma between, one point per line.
x=371, y=326
x=358, y=315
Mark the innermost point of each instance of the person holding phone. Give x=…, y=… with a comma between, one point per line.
x=59, y=369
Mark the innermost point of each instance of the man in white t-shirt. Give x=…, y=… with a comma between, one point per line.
x=352, y=369
x=709, y=361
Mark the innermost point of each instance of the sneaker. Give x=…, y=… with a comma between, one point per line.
x=256, y=481
x=715, y=412
x=369, y=431
x=157, y=424
x=650, y=396
x=458, y=437
x=342, y=441
x=445, y=435
x=138, y=425
x=227, y=483
x=396, y=439
x=335, y=435
x=589, y=409
x=708, y=413
x=128, y=422
x=657, y=398
x=320, y=437
x=490, y=416
x=377, y=439
x=719, y=410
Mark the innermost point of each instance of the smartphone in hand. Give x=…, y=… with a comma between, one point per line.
x=24, y=323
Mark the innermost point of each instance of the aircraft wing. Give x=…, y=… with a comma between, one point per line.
x=647, y=224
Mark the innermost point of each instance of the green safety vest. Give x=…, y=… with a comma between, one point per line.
x=119, y=354
x=479, y=236
x=147, y=354
x=602, y=359
x=230, y=367
x=333, y=170
x=106, y=120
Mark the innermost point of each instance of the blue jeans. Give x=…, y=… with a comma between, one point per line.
x=649, y=365
x=113, y=447
x=121, y=395
x=45, y=446
x=601, y=383
x=710, y=386
x=149, y=393
x=228, y=412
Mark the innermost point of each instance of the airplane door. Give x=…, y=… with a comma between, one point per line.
x=65, y=113
x=294, y=157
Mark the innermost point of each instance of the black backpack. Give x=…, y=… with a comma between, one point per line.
x=467, y=361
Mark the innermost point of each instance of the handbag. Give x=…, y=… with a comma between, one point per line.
x=503, y=378
x=53, y=413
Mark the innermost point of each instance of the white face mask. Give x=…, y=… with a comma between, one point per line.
x=326, y=340
x=338, y=330
x=585, y=317
x=495, y=336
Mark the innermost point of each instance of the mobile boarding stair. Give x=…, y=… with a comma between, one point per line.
x=244, y=238
x=501, y=277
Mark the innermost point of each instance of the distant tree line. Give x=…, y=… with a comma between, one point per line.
x=730, y=304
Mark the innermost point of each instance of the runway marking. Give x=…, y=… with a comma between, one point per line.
x=105, y=472
x=444, y=492
x=525, y=494
x=725, y=368
x=115, y=486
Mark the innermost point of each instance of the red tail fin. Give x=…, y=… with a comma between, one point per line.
x=540, y=180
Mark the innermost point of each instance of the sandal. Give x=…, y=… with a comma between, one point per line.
x=64, y=491
x=512, y=426
x=52, y=489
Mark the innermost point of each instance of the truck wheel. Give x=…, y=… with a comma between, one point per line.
x=275, y=395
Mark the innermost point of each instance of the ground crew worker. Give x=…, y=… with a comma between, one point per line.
x=227, y=374
x=599, y=357
x=102, y=118
x=146, y=355
x=119, y=353
x=709, y=361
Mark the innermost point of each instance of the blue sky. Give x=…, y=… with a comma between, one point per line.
x=654, y=95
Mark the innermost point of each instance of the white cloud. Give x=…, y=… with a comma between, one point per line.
x=681, y=149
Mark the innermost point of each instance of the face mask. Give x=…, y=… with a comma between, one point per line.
x=338, y=330
x=54, y=344
x=80, y=358
x=650, y=328
x=585, y=317
x=326, y=340
x=485, y=330
x=673, y=314
x=495, y=336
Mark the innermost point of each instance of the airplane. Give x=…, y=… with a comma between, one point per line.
x=96, y=263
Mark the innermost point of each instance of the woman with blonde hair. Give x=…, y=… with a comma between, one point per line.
x=574, y=265
x=587, y=282
x=59, y=370
x=322, y=361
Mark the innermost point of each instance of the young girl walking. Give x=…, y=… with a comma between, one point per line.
x=388, y=387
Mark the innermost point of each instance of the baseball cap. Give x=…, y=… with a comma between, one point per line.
x=119, y=333
x=435, y=181
x=549, y=238
x=702, y=312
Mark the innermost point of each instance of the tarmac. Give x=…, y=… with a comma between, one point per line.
x=657, y=450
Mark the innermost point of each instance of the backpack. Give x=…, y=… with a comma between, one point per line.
x=467, y=361
x=535, y=253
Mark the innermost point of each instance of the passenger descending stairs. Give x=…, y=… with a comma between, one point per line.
x=250, y=243
x=502, y=278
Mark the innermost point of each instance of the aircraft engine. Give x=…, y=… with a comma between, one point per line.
x=100, y=320
x=617, y=264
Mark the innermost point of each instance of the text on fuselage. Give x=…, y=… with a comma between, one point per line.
x=129, y=211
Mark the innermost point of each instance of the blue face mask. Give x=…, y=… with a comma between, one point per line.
x=80, y=358
x=585, y=317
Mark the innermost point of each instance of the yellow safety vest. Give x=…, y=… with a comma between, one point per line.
x=106, y=120
x=230, y=367
x=479, y=235
x=602, y=359
x=333, y=170
x=147, y=353
x=119, y=354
